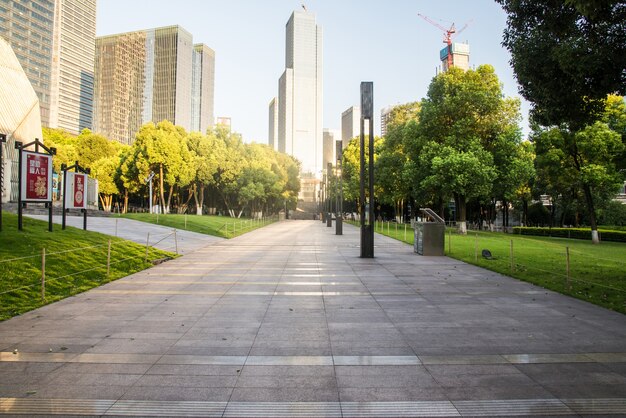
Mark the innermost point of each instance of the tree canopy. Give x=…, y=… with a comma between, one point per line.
x=568, y=55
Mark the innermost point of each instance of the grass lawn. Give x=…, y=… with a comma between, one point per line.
x=597, y=273
x=220, y=226
x=75, y=261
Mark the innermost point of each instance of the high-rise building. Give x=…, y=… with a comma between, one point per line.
x=300, y=92
x=71, y=89
x=202, y=88
x=152, y=75
x=385, y=116
x=460, y=56
x=350, y=124
x=272, y=137
x=329, y=147
x=54, y=42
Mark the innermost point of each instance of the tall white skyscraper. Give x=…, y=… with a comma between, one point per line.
x=300, y=93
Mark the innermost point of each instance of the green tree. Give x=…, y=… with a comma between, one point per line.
x=567, y=56
x=391, y=165
x=582, y=161
x=104, y=170
x=204, y=150
x=462, y=121
x=164, y=147
x=90, y=147
x=65, y=145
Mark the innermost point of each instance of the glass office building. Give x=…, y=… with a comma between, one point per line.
x=54, y=42
x=300, y=93
x=152, y=75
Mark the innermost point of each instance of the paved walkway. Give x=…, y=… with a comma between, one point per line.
x=161, y=237
x=288, y=320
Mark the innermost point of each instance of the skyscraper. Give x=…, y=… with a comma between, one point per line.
x=152, y=75
x=460, y=56
x=54, y=42
x=350, y=124
x=272, y=137
x=329, y=147
x=300, y=92
x=71, y=84
x=202, y=88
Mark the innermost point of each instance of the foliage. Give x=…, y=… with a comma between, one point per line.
x=580, y=165
x=573, y=233
x=567, y=56
x=75, y=262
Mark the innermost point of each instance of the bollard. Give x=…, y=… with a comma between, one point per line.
x=43, y=274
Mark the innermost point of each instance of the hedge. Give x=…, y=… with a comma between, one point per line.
x=574, y=233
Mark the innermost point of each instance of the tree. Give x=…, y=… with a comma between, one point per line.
x=462, y=121
x=91, y=147
x=391, y=164
x=164, y=147
x=582, y=161
x=567, y=56
x=204, y=150
x=104, y=170
x=65, y=145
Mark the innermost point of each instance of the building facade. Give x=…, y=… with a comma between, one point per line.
x=272, y=136
x=385, y=117
x=54, y=42
x=202, y=88
x=152, y=75
x=329, y=147
x=350, y=124
x=460, y=56
x=71, y=95
x=300, y=93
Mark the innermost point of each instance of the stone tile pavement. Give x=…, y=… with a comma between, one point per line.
x=289, y=321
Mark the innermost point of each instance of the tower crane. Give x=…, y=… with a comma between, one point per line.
x=448, y=34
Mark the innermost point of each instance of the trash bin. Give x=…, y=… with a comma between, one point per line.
x=430, y=235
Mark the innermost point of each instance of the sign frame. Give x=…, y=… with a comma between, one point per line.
x=34, y=179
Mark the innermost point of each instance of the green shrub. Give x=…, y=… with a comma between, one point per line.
x=574, y=233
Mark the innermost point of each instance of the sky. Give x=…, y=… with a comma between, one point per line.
x=383, y=41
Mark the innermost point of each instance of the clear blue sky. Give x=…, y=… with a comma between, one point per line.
x=384, y=41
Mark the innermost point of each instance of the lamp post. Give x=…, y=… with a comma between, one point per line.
x=339, y=206
x=149, y=180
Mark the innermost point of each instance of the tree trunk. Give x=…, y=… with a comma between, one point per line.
x=461, y=209
x=125, y=210
x=200, y=203
x=169, y=199
x=592, y=214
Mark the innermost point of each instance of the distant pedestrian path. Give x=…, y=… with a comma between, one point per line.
x=288, y=321
x=161, y=237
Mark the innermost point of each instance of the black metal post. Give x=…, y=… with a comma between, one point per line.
x=20, y=225
x=84, y=211
x=64, y=170
x=3, y=139
x=339, y=205
x=367, y=112
x=329, y=215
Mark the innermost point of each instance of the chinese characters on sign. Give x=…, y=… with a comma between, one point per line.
x=37, y=177
x=76, y=191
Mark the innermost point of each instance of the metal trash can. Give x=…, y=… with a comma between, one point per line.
x=430, y=235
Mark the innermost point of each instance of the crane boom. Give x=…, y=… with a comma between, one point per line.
x=448, y=33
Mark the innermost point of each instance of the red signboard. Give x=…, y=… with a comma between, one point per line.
x=36, y=177
x=76, y=190
x=79, y=190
